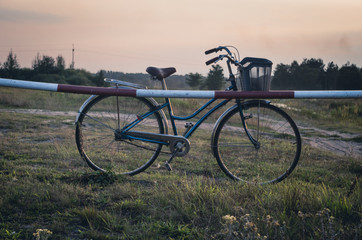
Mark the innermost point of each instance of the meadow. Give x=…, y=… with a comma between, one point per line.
x=49, y=192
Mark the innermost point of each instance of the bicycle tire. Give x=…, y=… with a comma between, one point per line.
x=98, y=137
x=274, y=130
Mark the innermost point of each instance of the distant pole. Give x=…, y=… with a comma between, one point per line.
x=72, y=65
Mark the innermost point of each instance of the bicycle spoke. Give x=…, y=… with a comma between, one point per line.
x=100, y=122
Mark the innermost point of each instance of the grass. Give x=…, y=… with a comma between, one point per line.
x=328, y=114
x=48, y=192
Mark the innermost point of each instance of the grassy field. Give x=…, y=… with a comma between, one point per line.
x=48, y=192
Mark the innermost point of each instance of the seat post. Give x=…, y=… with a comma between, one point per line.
x=170, y=109
x=164, y=86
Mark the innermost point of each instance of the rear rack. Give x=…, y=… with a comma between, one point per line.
x=118, y=83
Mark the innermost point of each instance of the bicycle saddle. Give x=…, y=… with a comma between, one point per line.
x=160, y=73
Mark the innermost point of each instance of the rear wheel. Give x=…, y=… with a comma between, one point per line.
x=99, y=139
x=276, y=151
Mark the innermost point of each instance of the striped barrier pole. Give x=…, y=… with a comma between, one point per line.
x=177, y=93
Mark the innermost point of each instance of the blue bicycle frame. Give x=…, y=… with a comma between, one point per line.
x=173, y=118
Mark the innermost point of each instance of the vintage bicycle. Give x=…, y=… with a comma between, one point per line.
x=252, y=141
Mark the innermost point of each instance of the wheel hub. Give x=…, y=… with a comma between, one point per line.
x=118, y=135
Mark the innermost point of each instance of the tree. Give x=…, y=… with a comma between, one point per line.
x=331, y=76
x=349, y=78
x=282, y=77
x=309, y=75
x=317, y=67
x=79, y=77
x=11, y=65
x=99, y=78
x=314, y=63
x=36, y=62
x=60, y=63
x=215, y=78
x=45, y=64
x=194, y=80
x=308, y=78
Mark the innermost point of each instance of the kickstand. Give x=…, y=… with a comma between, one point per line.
x=167, y=163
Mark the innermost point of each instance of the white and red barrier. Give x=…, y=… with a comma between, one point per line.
x=177, y=93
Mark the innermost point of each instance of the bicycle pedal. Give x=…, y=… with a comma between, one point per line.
x=189, y=125
x=168, y=166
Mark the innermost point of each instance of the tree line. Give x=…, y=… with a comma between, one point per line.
x=47, y=69
x=311, y=74
x=214, y=81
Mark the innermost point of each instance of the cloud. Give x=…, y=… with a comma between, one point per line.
x=16, y=16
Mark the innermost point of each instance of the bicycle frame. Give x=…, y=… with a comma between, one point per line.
x=174, y=118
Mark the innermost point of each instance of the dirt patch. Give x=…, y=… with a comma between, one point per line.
x=41, y=112
x=342, y=144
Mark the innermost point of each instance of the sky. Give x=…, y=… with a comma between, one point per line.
x=130, y=35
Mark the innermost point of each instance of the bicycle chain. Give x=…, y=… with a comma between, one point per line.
x=146, y=148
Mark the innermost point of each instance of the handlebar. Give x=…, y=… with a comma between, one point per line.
x=211, y=51
x=215, y=59
x=228, y=55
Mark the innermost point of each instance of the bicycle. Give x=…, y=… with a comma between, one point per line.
x=253, y=141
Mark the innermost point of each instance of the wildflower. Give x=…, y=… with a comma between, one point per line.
x=250, y=226
x=276, y=223
x=229, y=219
x=246, y=216
x=42, y=234
x=326, y=210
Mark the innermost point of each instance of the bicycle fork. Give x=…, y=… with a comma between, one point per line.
x=254, y=141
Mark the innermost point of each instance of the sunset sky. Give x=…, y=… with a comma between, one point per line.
x=129, y=35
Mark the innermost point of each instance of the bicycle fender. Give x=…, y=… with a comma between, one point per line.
x=162, y=113
x=83, y=106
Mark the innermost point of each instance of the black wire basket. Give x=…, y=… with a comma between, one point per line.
x=255, y=74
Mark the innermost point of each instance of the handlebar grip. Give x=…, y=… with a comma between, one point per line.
x=211, y=51
x=212, y=60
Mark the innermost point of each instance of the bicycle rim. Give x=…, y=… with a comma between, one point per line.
x=99, y=140
x=277, y=135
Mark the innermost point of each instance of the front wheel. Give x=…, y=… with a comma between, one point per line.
x=274, y=153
